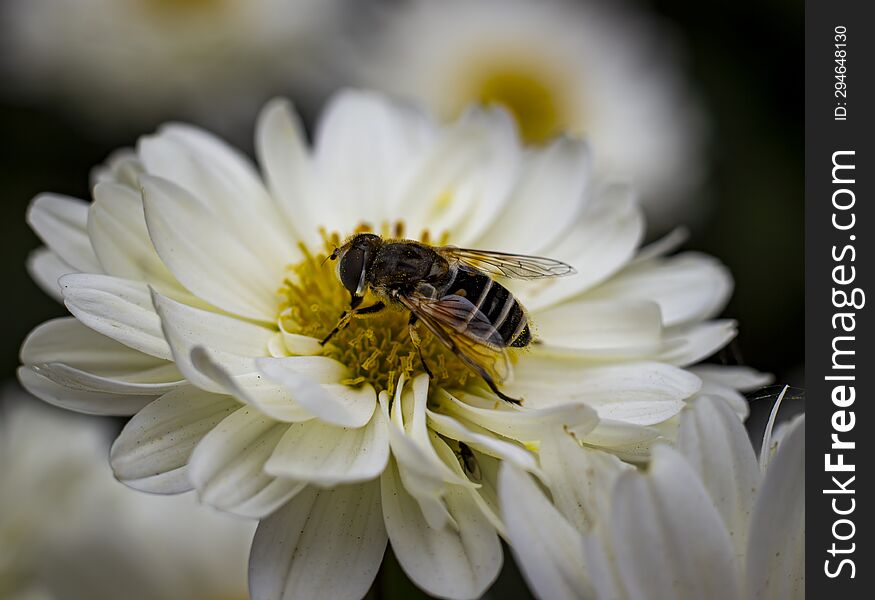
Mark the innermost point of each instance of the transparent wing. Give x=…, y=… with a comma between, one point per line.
x=459, y=315
x=476, y=342
x=515, y=266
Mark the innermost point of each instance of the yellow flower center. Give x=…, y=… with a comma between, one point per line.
x=376, y=348
x=534, y=94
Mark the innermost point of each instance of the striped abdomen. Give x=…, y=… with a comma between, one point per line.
x=496, y=303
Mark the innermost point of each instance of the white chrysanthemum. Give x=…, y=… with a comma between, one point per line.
x=200, y=293
x=69, y=530
x=583, y=67
x=707, y=520
x=123, y=60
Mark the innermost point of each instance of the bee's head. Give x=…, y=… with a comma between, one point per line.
x=354, y=258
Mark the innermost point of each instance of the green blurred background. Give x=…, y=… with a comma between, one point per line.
x=744, y=59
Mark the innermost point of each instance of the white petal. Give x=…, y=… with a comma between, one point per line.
x=553, y=180
x=117, y=228
x=153, y=449
x=322, y=544
x=74, y=356
x=487, y=443
x=284, y=157
x=744, y=379
x=462, y=183
x=233, y=343
x=547, y=548
x=687, y=345
x=327, y=455
x=580, y=479
x=776, y=545
x=60, y=221
x=519, y=423
x=716, y=445
x=226, y=185
x=602, y=240
x=207, y=256
x=336, y=404
x=46, y=268
x=363, y=145
x=448, y=562
x=250, y=388
x=642, y=393
x=669, y=541
x=227, y=466
x=689, y=287
x=603, y=329
x=84, y=401
x=117, y=308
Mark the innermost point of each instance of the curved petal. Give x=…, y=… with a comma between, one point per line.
x=327, y=455
x=225, y=183
x=522, y=424
x=687, y=345
x=603, y=329
x=117, y=228
x=61, y=222
x=207, y=256
x=598, y=245
x=152, y=451
x=46, y=268
x=233, y=343
x=554, y=180
x=689, y=287
x=83, y=401
x=668, y=540
x=117, y=308
x=547, y=548
x=580, y=479
x=776, y=544
x=462, y=182
x=285, y=159
x=716, y=445
x=227, y=466
x=336, y=404
x=363, y=146
x=641, y=393
x=450, y=562
x=76, y=357
x=322, y=544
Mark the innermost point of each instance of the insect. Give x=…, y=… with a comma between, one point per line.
x=450, y=290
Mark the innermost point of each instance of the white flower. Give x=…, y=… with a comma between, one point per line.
x=69, y=530
x=579, y=67
x=122, y=62
x=706, y=520
x=200, y=293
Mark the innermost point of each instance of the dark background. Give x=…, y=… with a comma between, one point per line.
x=744, y=58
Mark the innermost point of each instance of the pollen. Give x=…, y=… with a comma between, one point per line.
x=376, y=348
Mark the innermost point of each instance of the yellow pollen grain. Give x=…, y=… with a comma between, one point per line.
x=375, y=348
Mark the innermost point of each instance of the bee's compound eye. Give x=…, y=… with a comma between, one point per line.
x=351, y=266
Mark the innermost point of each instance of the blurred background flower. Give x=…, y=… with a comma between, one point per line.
x=69, y=530
x=591, y=69
x=125, y=64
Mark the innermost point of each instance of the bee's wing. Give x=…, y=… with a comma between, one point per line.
x=462, y=328
x=515, y=266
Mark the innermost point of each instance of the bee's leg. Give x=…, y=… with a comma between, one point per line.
x=369, y=310
x=347, y=316
x=417, y=342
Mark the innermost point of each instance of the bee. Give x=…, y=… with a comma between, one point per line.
x=451, y=290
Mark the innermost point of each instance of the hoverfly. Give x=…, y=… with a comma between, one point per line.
x=451, y=290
